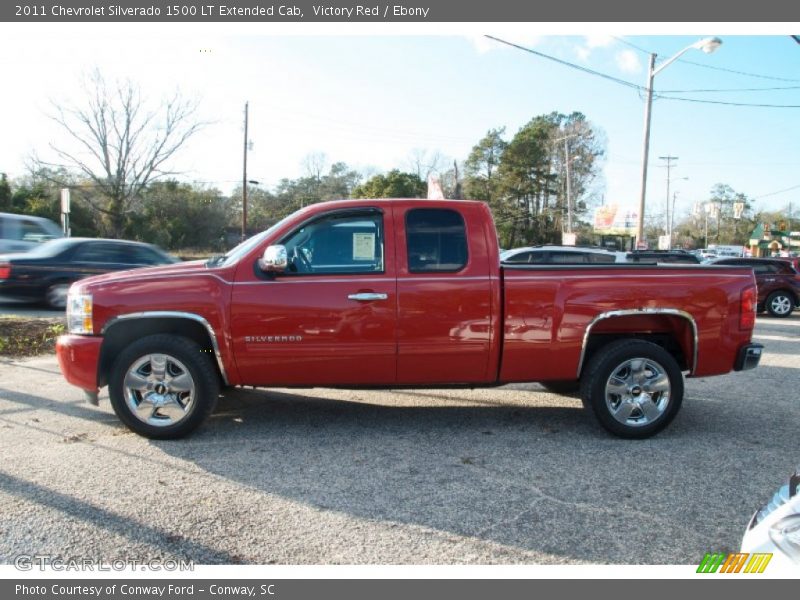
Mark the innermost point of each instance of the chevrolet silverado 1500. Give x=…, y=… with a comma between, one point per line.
x=400, y=293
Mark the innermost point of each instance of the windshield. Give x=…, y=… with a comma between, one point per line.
x=246, y=246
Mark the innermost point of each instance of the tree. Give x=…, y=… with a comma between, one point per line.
x=395, y=184
x=38, y=194
x=424, y=163
x=121, y=145
x=525, y=180
x=714, y=222
x=480, y=168
x=5, y=193
x=180, y=215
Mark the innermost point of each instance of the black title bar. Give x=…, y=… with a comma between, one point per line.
x=412, y=11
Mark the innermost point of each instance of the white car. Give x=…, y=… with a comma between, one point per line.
x=775, y=528
x=564, y=255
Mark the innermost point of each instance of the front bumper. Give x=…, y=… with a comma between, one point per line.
x=78, y=358
x=748, y=357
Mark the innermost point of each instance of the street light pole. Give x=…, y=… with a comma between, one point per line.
x=648, y=105
x=707, y=45
x=244, y=177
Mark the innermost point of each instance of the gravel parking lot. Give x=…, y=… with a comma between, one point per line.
x=499, y=476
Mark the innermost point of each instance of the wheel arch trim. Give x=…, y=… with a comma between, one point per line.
x=165, y=314
x=674, y=312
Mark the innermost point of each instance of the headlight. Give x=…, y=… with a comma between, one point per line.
x=79, y=313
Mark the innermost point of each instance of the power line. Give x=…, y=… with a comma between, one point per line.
x=726, y=103
x=715, y=68
x=763, y=89
x=789, y=189
x=569, y=64
x=632, y=45
x=629, y=84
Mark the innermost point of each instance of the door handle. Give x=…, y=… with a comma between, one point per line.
x=367, y=297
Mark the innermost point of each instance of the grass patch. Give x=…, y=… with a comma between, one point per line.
x=21, y=336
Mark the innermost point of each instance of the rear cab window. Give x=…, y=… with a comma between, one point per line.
x=436, y=240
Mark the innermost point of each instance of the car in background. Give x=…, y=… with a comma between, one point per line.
x=562, y=255
x=663, y=256
x=792, y=260
x=20, y=233
x=778, y=283
x=46, y=272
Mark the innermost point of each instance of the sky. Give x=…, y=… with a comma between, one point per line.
x=370, y=96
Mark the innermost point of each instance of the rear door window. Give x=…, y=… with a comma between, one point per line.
x=436, y=240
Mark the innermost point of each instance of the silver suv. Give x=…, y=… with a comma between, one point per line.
x=564, y=255
x=20, y=233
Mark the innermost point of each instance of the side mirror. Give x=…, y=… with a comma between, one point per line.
x=274, y=259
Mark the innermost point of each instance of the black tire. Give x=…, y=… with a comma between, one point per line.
x=168, y=411
x=563, y=388
x=780, y=304
x=651, y=391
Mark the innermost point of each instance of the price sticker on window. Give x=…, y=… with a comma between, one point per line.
x=363, y=246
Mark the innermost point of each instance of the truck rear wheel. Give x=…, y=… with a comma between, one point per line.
x=163, y=386
x=634, y=388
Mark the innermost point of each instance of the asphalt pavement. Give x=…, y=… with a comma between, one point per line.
x=19, y=308
x=500, y=476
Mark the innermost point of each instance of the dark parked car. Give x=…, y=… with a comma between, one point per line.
x=778, y=283
x=664, y=256
x=46, y=272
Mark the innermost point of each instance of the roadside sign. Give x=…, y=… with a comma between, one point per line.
x=65, y=200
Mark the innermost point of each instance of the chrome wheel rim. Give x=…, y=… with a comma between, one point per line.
x=638, y=392
x=781, y=305
x=57, y=295
x=159, y=390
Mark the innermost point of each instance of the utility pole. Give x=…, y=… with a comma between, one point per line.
x=667, y=229
x=244, y=177
x=569, y=188
x=672, y=219
x=566, y=139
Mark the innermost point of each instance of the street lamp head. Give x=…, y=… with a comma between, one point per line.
x=707, y=45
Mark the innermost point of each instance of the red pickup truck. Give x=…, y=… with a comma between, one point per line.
x=398, y=293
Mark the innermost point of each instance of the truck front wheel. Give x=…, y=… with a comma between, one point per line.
x=163, y=386
x=634, y=388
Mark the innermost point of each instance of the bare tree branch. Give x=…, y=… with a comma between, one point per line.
x=120, y=144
